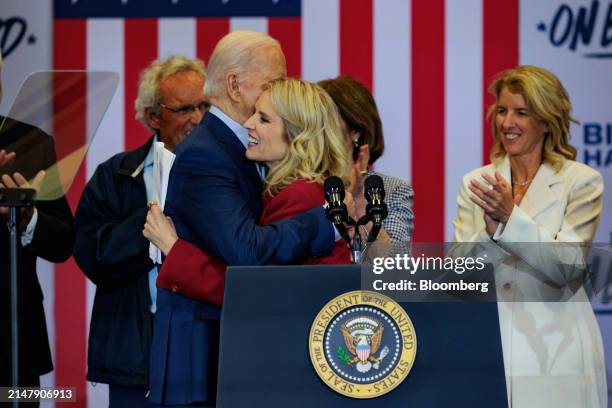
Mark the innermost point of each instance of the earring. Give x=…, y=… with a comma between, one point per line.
x=356, y=146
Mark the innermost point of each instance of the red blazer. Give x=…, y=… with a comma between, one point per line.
x=191, y=272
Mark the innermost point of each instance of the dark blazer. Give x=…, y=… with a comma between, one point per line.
x=191, y=272
x=296, y=198
x=53, y=241
x=214, y=198
x=111, y=250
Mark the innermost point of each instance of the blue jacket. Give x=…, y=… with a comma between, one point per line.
x=111, y=250
x=214, y=198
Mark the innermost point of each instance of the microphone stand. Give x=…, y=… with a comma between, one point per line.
x=15, y=198
x=374, y=231
x=337, y=213
x=356, y=248
x=356, y=243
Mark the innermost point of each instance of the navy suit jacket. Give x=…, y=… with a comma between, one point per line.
x=214, y=198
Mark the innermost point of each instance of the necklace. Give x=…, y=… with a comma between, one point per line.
x=523, y=183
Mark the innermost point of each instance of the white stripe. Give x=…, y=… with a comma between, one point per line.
x=320, y=39
x=463, y=98
x=46, y=278
x=392, y=87
x=109, y=138
x=259, y=24
x=177, y=36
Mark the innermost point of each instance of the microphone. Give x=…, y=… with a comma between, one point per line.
x=334, y=195
x=336, y=210
x=376, y=209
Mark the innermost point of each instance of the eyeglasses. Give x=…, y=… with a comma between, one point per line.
x=187, y=109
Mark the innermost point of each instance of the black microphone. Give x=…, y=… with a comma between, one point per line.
x=376, y=209
x=334, y=195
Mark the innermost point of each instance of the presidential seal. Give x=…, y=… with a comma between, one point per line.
x=362, y=344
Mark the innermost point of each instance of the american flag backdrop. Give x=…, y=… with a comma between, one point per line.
x=427, y=62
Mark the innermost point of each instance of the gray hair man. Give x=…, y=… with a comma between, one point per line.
x=243, y=62
x=110, y=248
x=171, y=98
x=214, y=198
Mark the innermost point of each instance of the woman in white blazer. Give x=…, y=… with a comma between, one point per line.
x=535, y=192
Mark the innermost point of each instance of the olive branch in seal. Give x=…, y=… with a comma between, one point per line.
x=343, y=355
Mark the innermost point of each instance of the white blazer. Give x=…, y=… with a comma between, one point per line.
x=553, y=354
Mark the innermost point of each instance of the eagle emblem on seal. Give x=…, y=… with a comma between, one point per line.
x=362, y=337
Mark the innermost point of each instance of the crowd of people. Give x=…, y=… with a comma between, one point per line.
x=252, y=150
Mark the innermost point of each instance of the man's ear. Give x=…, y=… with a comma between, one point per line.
x=152, y=118
x=233, y=87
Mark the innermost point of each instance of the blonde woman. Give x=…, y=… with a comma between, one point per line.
x=296, y=132
x=535, y=192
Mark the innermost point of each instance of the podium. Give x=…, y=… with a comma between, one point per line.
x=264, y=356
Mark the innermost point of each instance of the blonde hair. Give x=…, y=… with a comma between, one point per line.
x=235, y=53
x=317, y=148
x=548, y=102
x=152, y=77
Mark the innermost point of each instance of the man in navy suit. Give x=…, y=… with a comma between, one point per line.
x=109, y=248
x=214, y=198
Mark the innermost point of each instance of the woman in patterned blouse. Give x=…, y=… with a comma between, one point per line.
x=362, y=125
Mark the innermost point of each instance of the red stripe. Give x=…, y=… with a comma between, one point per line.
x=209, y=31
x=140, y=49
x=428, y=118
x=288, y=31
x=500, y=52
x=70, y=134
x=356, y=40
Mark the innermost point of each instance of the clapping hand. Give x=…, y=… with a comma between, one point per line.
x=354, y=198
x=6, y=159
x=496, y=200
x=18, y=181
